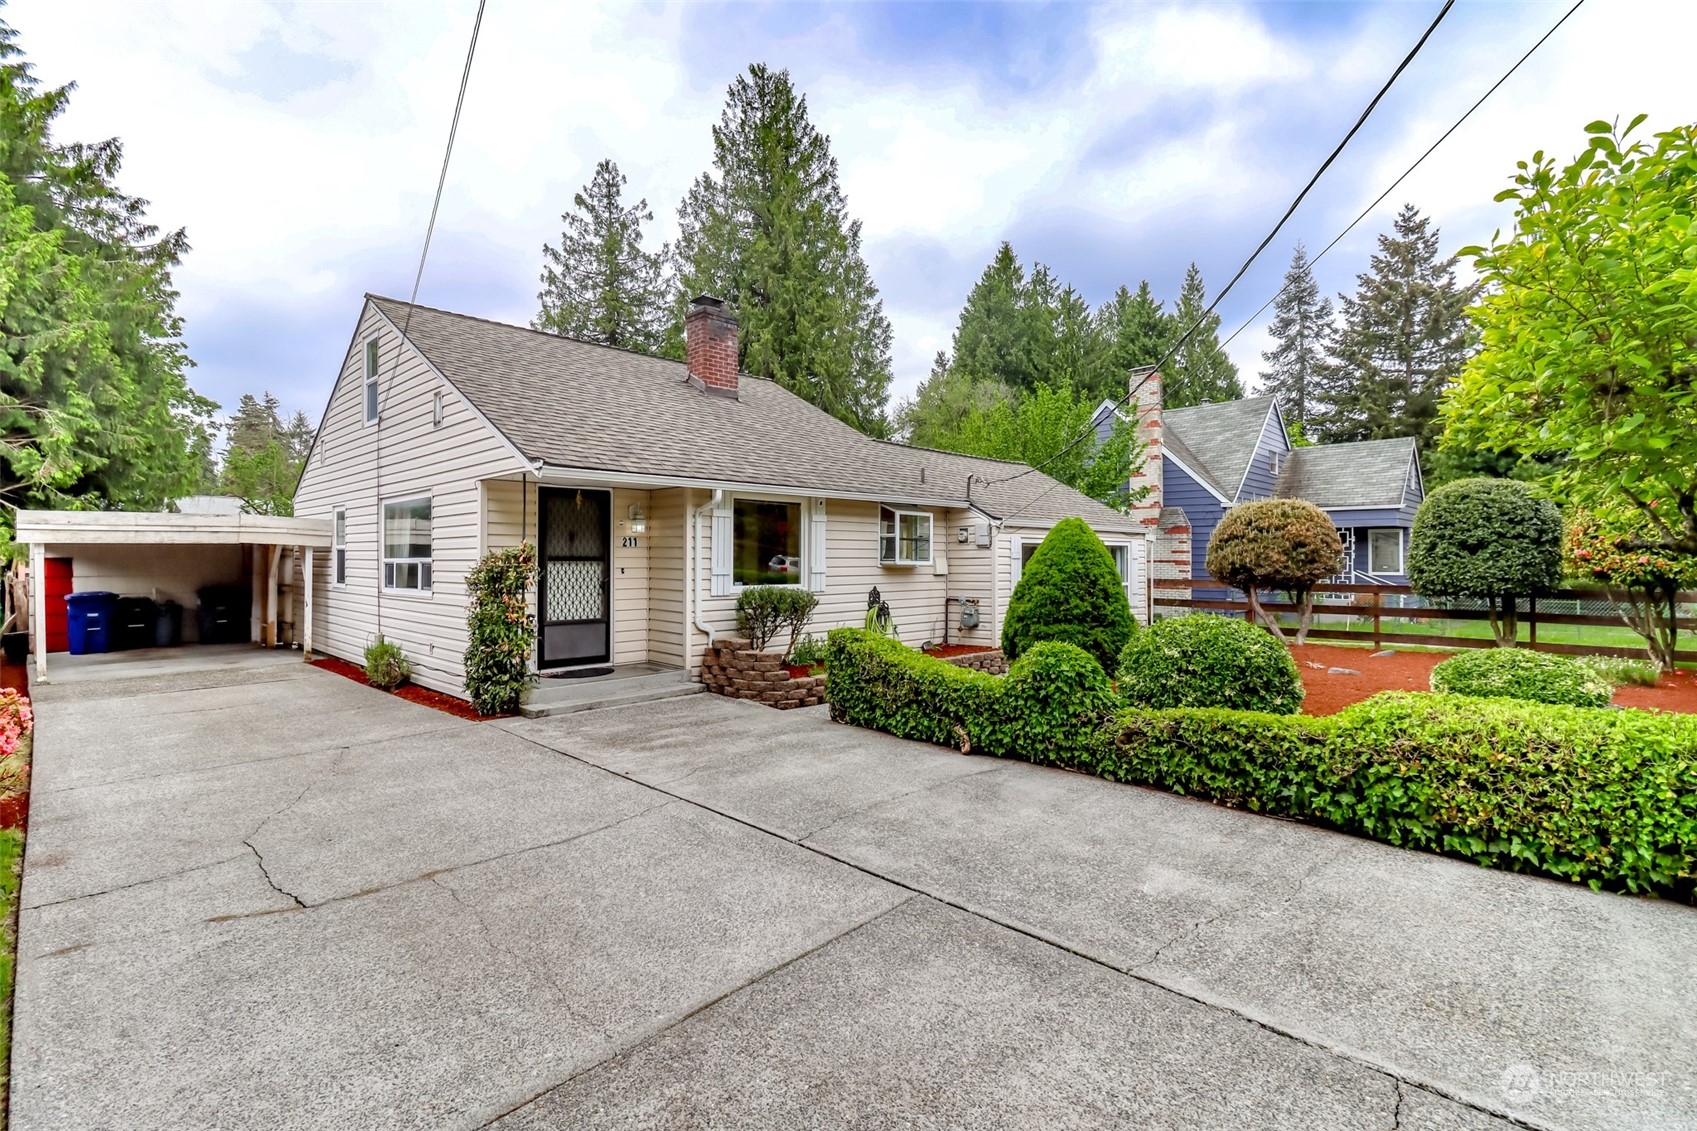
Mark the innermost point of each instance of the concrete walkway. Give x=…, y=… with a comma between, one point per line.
x=286, y=900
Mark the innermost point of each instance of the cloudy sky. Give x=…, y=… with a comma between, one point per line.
x=299, y=143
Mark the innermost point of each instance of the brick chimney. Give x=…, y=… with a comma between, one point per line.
x=1145, y=406
x=710, y=346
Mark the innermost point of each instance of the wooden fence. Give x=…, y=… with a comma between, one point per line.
x=1368, y=603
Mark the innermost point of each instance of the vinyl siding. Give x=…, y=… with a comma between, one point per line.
x=667, y=516
x=416, y=458
x=1201, y=507
x=1259, y=480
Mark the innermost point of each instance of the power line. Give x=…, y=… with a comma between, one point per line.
x=1380, y=199
x=1262, y=246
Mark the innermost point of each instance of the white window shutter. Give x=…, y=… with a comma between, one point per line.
x=724, y=538
x=816, y=548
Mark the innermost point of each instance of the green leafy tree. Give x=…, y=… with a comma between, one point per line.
x=1200, y=373
x=768, y=229
x=1302, y=322
x=95, y=406
x=1404, y=337
x=1644, y=583
x=993, y=343
x=939, y=409
x=1070, y=592
x=1588, y=324
x=262, y=464
x=1489, y=539
x=600, y=284
x=1281, y=544
x=1135, y=332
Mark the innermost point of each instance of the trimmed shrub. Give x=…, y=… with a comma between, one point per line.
x=1604, y=797
x=1622, y=672
x=766, y=611
x=1280, y=544
x=386, y=666
x=500, y=628
x=1517, y=674
x=1054, y=701
x=1202, y=660
x=875, y=682
x=1490, y=539
x=1070, y=592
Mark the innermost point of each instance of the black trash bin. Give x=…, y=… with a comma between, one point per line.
x=223, y=614
x=134, y=622
x=88, y=620
x=168, y=628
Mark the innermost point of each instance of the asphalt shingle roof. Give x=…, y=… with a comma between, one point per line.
x=1368, y=473
x=575, y=405
x=1217, y=441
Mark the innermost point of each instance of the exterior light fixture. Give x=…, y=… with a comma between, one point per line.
x=638, y=520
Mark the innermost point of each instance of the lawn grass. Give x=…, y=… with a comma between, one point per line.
x=11, y=873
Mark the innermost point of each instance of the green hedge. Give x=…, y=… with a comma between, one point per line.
x=1514, y=673
x=1202, y=660
x=1605, y=797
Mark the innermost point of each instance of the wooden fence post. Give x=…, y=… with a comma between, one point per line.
x=1378, y=599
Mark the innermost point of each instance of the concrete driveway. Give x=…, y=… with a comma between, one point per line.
x=269, y=897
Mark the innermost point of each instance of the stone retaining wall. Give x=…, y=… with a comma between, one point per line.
x=992, y=661
x=732, y=669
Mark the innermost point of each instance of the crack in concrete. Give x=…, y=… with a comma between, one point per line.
x=266, y=872
x=1396, y=1114
x=1194, y=931
x=1134, y=973
x=134, y=883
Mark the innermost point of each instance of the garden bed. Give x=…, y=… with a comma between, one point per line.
x=412, y=693
x=949, y=651
x=1329, y=692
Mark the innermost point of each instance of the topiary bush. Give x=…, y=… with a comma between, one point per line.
x=1517, y=674
x=1070, y=591
x=1280, y=544
x=500, y=629
x=1490, y=539
x=386, y=666
x=1201, y=660
x=1054, y=700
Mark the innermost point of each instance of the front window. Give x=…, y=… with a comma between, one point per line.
x=904, y=537
x=371, y=381
x=766, y=549
x=339, y=550
x=1384, y=551
x=406, y=545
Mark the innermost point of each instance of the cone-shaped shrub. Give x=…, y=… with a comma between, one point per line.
x=1070, y=592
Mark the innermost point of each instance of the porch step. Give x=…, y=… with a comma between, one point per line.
x=564, y=697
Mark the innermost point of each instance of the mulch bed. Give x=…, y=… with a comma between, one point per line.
x=423, y=696
x=1330, y=692
x=945, y=651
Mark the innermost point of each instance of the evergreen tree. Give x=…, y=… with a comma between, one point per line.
x=600, y=285
x=768, y=229
x=262, y=463
x=1200, y=373
x=95, y=406
x=1302, y=321
x=1134, y=332
x=993, y=338
x=1404, y=336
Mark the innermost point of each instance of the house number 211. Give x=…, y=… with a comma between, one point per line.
x=628, y=542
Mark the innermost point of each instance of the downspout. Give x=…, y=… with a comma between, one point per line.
x=713, y=500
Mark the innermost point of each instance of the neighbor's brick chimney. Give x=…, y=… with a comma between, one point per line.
x=710, y=346
x=1145, y=387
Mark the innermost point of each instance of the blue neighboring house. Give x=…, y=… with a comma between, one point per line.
x=1215, y=456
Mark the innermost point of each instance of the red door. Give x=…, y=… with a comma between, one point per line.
x=57, y=581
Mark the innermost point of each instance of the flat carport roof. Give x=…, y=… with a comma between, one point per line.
x=42, y=530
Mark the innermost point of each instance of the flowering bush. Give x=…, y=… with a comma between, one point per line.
x=16, y=720
x=1643, y=581
x=502, y=629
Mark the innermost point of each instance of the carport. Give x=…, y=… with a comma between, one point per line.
x=172, y=556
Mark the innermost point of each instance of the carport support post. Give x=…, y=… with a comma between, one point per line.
x=306, y=589
x=38, y=605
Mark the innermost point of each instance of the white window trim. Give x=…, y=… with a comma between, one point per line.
x=371, y=408
x=1402, y=550
x=383, y=559
x=1016, y=566
x=339, y=521
x=804, y=557
x=899, y=562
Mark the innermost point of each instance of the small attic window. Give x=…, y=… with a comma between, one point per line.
x=371, y=381
x=436, y=410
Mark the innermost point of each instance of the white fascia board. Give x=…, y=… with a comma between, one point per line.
x=589, y=477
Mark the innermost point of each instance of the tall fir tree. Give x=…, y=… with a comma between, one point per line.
x=262, y=463
x=1200, y=373
x=1404, y=335
x=993, y=337
x=1134, y=331
x=95, y=405
x=768, y=229
x=1302, y=324
x=601, y=285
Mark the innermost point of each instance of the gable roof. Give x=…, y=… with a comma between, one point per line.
x=1220, y=438
x=1367, y=473
x=573, y=405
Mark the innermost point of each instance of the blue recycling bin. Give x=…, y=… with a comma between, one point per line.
x=88, y=621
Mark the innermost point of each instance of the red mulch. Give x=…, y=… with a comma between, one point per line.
x=802, y=671
x=423, y=696
x=944, y=651
x=1412, y=671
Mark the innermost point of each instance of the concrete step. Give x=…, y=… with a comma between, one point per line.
x=567, y=696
